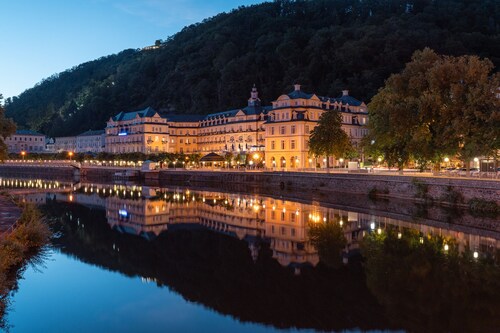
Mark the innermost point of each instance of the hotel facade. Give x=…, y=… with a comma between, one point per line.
x=25, y=141
x=276, y=135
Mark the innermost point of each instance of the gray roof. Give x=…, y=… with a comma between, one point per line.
x=92, y=132
x=184, y=117
x=147, y=112
x=344, y=99
x=299, y=94
x=28, y=132
x=249, y=110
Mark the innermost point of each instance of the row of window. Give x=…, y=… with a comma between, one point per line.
x=15, y=138
x=29, y=148
x=293, y=145
x=283, y=130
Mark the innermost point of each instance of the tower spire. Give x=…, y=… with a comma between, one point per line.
x=254, y=97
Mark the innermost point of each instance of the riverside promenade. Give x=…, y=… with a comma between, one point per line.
x=9, y=214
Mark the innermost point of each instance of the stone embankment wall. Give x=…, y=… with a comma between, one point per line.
x=42, y=171
x=415, y=188
x=58, y=172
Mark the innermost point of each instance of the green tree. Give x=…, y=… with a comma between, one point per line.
x=438, y=105
x=329, y=240
x=7, y=128
x=328, y=138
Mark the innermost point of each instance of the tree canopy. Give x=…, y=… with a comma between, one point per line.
x=7, y=128
x=326, y=45
x=437, y=106
x=328, y=138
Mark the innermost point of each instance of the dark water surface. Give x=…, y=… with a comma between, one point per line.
x=171, y=259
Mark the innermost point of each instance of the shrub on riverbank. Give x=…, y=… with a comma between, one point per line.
x=23, y=243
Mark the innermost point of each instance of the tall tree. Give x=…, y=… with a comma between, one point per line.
x=328, y=138
x=7, y=128
x=437, y=106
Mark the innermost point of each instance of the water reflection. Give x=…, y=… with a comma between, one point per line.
x=433, y=283
x=288, y=263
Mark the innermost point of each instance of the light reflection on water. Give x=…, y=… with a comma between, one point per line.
x=197, y=243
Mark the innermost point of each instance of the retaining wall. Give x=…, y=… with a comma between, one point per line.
x=413, y=188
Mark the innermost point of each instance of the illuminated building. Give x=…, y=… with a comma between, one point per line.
x=90, y=142
x=141, y=131
x=294, y=116
x=27, y=141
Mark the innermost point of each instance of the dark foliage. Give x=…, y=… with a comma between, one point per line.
x=327, y=45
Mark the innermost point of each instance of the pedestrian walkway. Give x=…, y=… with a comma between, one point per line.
x=9, y=214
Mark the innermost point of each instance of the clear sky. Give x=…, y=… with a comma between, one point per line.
x=42, y=37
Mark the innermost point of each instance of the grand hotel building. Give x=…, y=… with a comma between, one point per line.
x=280, y=131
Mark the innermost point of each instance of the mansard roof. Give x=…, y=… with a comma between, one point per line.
x=344, y=99
x=28, y=132
x=296, y=94
x=249, y=110
x=184, y=117
x=92, y=133
x=147, y=112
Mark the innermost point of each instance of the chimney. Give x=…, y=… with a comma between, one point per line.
x=345, y=92
x=297, y=87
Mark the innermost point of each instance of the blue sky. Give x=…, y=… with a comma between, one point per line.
x=41, y=38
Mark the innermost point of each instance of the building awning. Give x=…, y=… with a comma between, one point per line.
x=212, y=157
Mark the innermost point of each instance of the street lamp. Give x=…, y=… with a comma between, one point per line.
x=70, y=154
x=341, y=160
x=447, y=161
x=256, y=158
x=23, y=153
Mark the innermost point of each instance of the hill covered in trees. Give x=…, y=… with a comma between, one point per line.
x=326, y=45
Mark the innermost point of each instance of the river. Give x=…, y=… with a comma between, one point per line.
x=136, y=258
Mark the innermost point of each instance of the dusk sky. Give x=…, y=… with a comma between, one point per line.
x=41, y=38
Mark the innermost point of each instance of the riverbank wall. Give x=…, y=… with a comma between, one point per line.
x=37, y=171
x=414, y=188
x=456, y=191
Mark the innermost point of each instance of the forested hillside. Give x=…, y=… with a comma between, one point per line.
x=326, y=45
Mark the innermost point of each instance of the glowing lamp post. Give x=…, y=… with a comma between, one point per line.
x=23, y=153
x=70, y=154
x=256, y=157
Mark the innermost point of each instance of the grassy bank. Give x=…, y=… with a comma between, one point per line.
x=17, y=249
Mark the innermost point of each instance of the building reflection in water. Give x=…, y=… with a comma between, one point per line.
x=284, y=224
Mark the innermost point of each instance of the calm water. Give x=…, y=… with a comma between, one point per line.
x=171, y=259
